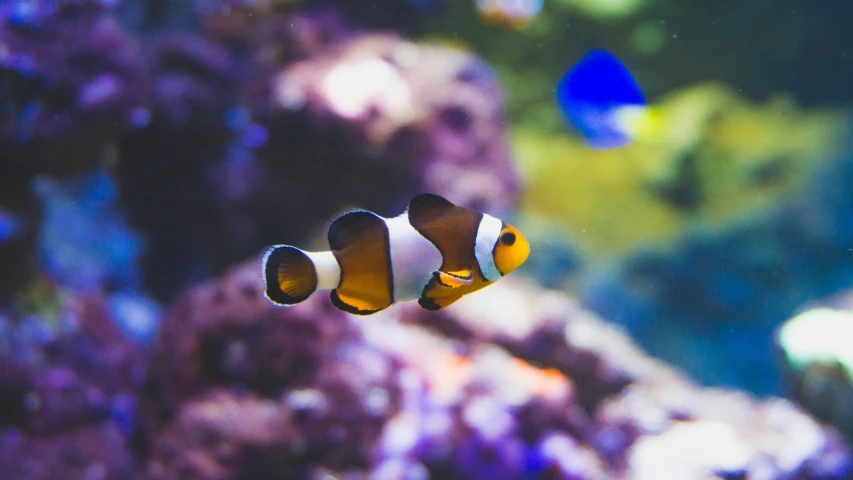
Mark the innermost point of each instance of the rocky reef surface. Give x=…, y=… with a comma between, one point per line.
x=514, y=382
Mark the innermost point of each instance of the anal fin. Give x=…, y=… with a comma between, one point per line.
x=437, y=303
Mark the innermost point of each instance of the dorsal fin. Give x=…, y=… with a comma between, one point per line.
x=351, y=227
x=452, y=229
x=426, y=202
x=359, y=240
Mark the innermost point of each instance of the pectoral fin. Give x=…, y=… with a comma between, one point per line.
x=455, y=279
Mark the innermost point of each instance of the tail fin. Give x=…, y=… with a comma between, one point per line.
x=602, y=100
x=289, y=274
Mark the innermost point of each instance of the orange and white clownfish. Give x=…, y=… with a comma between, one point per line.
x=434, y=252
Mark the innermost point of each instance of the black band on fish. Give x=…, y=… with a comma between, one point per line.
x=452, y=229
x=361, y=244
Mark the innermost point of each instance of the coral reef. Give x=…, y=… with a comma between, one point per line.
x=227, y=333
x=95, y=451
x=69, y=102
x=437, y=109
x=640, y=407
x=70, y=82
x=68, y=396
x=513, y=382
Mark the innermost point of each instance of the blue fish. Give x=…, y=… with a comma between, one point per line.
x=9, y=226
x=600, y=98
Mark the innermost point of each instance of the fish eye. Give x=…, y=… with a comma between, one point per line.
x=508, y=238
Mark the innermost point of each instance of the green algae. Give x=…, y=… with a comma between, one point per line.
x=717, y=159
x=606, y=9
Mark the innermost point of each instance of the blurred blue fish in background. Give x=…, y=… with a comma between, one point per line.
x=603, y=102
x=9, y=226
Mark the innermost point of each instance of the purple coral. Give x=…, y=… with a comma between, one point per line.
x=223, y=435
x=68, y=400
x=431, y=109
x=94, y=452
x=307, y=363
x=66, y=68
x=227, y=333
x=240, y=388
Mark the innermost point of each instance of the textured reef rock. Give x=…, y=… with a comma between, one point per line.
x=68, y=397
x=643, y=411
x=227, y=355
x=96, y=451
x=227, y=436
x=815, y=348
x=511, y=382
x=227, y=333
x=69, y=80
x=426, y=107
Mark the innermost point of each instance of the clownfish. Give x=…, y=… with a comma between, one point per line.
x=434, y=252
x=600, y=98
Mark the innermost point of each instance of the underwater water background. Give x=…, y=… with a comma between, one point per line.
x=151, y=150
